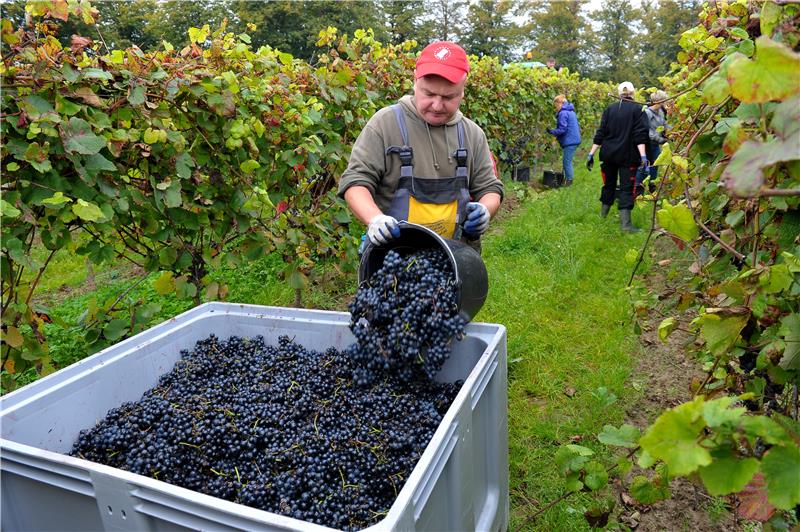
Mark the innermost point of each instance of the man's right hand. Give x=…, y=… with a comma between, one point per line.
x=590, y=162
x=381, y=229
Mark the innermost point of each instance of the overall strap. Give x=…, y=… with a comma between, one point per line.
x=461, y=153
x=405, y=152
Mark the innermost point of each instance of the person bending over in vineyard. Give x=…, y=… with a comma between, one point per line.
x=422, y=161
x=568, y=134
x=657, y=121
x=623, y=135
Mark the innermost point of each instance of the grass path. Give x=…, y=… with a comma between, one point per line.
x=557, y=277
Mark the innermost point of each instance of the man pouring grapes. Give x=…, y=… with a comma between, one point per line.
x=422, y=161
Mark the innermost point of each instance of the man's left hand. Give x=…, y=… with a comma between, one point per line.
x=645, y=163
x=477, y=219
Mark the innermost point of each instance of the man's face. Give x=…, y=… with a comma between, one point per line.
x=551, y=63
x=437, y=99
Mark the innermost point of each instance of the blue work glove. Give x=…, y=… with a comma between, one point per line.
x=477, y=219
x=590, y=162
x=381, y=229
x=551, y=131
x=645, y=164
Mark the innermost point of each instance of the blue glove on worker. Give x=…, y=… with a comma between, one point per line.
x=590, y=162
x=381, y=229
x=477, y=219
x=645, y=163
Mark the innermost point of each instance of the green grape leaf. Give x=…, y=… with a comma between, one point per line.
x=38, y=156
x=773, y=75
x=98, y=163
x=770, y=15
x=665, y=157
x=781, y=467
x=165, y=284
x=571, y=458
x=87, y=211
x=678, y=220
x=185, y=289
x=297, y=279
x=647, y=492
x=249, y=165
x=7, y=210
x=573, y=483
x=115, y=329
x=721, y=331
x=776, y=278
x=718, y=412
x=596, y=476
x=765, y=428
x=674, y=436
x=666, y=327
x=790, y=330
x=727, y=474
x=625, y=436
x=79, y=138
x=137, y=95
x=56, y=199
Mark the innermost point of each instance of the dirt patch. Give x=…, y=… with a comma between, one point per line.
x=665, y=372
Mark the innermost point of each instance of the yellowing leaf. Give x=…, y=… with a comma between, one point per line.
x=678, y=220
x=13, y=337
x=87, y=211
x=715, y=90
x=720, y=331
x=674, y=436
x=164, y=284
x=56, y=199
x=666, y=327
x=773, y=75
x=7, y=210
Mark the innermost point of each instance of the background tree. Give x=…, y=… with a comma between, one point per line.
x=662, y=25
x=559, y=29
x=448, y=18
x=616, y=53
x=405, y=20
x=490, y=29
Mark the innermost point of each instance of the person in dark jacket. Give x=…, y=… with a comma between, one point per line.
x=568, y=134
x=623, y=136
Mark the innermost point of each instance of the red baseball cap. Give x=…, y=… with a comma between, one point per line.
x=444, y=59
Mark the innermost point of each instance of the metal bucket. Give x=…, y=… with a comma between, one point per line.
x=472, y=280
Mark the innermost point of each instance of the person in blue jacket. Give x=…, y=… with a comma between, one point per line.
x=568, y=134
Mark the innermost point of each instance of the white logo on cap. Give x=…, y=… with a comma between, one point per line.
x=442, y=53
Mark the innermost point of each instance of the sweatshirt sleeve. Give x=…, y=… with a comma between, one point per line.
x=367, y=162
x=602, y=131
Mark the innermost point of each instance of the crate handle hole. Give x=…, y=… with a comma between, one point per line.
x=110, y=511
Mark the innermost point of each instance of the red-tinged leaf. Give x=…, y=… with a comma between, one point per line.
x=87, y=95
x=282, y=206
x=78, y=43
x=753, y=503
x=678, y=242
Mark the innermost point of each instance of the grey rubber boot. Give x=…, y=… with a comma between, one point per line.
x=625, y=222
x=604, y=210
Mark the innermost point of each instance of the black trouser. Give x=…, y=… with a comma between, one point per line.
x=627, y=180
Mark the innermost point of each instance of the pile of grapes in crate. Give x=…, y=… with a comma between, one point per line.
x=327, y=437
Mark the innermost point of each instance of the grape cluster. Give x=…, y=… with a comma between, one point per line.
x=279, y=428
x=404, y=318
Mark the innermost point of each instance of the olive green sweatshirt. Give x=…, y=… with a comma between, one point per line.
x=434, y=148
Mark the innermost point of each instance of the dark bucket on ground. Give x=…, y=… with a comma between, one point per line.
x=472, y=280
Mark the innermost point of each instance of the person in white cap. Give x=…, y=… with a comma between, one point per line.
x=622, y=138
x=422, y=161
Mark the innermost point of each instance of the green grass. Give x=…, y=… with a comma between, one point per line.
x=557, y=276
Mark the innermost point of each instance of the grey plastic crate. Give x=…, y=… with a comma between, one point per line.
x=460, y=482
